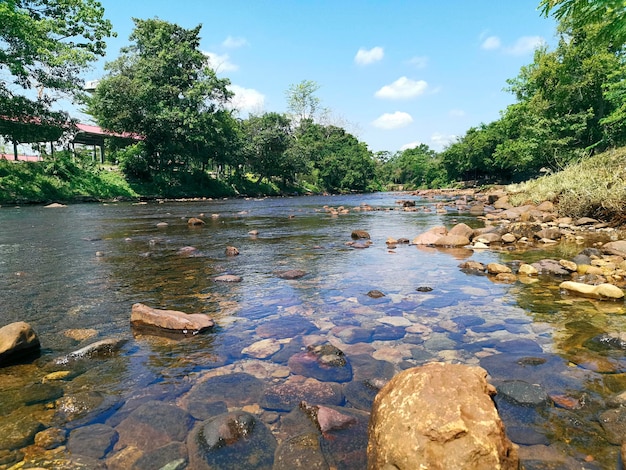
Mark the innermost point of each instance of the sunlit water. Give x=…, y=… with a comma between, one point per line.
x=83, y=266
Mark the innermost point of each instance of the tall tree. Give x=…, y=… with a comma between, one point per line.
x=44, y=47
x=302, y=102
x=268, y=137
x=163, y=88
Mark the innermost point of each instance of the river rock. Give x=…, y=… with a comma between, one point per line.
x=323, y=362
x=614, y=424
x=194, y=221
x=497, y=268
x=489, y=237
x=95, y=440
x=302, y=451
x=431, y=236
x=375, y=294
x=17, y=340
x=172, y=456
x=550, y=267
x=473, y=267
x=523, y=393
x=18, y=429
x=509, y=238
x=287, y=396
x=615, y=248
x=360, y=234
x=153, y=425
x=462, y=230
x=103, y=348
x=231, y=251
x=528, y=270
x=50, y=438
x=285, y=327
x=421, y=419
x=452, y=240
x=168, y=321
x=228, y=278
x=234, y=440
x=262, y=349
x=291, y=274
x=601, y=291
x=236, y=389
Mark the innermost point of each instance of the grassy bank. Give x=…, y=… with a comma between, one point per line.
x=63, y=180
x=59, y=180
x=594, y=187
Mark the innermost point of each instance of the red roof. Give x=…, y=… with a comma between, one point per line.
x=92, y=129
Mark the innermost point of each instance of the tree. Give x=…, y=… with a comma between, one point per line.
x=163, y=88
x=44, y=47
x=268, y=137
x=302, y=102
x=609, y=14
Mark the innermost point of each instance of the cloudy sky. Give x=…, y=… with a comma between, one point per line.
x=395, y=73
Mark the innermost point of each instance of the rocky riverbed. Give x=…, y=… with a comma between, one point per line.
x=285, y=374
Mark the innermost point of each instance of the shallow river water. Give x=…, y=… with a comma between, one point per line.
x=73, y=273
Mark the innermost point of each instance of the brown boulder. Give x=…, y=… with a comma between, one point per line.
x=431, y=236
x=169, y=321
x=195, y=221
x=438, y=416
x=462, y=230
x=452, y=240
x=615, y=248
x=360, y=234
x=16, y=340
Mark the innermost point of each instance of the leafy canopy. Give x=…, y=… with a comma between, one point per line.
x=163, y=88
x=44, y=47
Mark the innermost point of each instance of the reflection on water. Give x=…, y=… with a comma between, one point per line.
x=82, y=267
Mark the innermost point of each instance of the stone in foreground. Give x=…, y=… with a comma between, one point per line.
x=601, y=291
x=169, y=321
x=438, y=416
x=17, y=340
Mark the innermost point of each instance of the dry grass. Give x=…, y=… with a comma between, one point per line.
x=593, y=187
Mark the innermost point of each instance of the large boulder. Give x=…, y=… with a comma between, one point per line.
x=438, y=416
x=16, y=341
x=601, y=291
x=168, y=321
x=431, y=236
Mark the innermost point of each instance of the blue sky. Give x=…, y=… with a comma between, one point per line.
x=394, y=73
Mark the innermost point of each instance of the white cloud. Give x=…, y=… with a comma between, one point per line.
x=491, y=43
x=440, y=140
x=410, y=145
x=456, y=113
x=524, y=45
x=366, y=57
x=232, y=42
x=419, y=62
x=402, y=88
x=246, y=99
x=390, y=121
x=220, y=63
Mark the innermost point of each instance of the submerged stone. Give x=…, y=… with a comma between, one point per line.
x=234, y=441
x=324, y=362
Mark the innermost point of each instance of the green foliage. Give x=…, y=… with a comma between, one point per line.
x=163, y=88
x=45, y=45
x=302, y=102
x=419, y=167
x=58, y=179
x=610, y=14
x=267, y=139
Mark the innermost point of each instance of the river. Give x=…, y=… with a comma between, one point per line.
x=74, y=272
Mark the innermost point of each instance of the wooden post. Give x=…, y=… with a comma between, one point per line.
x=102, y=153
x=15, y=150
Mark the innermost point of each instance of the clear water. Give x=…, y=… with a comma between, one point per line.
x=83, y=266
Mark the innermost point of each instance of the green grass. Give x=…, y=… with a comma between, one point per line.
x=594, y=187
x=41, y=182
